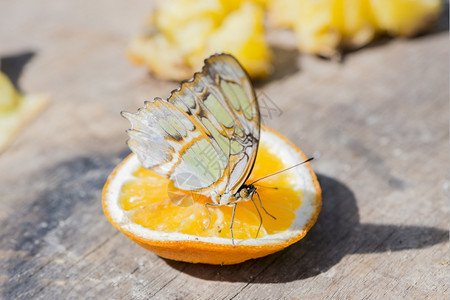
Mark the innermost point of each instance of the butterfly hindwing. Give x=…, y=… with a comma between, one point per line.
x=205, y=136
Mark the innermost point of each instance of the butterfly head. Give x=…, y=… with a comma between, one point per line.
x=246, y=192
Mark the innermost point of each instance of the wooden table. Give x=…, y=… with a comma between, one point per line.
x=380, y=120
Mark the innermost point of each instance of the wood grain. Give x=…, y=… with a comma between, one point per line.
x=380, y=120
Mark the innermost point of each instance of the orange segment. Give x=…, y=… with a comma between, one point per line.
x=147, y=199
x=137, y=193
x=148, y=209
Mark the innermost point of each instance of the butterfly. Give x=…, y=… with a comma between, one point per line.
x=205, y=136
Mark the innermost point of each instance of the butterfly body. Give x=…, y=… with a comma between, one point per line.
x=245, y=193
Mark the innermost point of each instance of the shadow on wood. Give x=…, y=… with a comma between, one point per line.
x=67, y=187
x=442, y=23
x=284, y=64
x=337, y=233
x=13, y=66
x=77, y=183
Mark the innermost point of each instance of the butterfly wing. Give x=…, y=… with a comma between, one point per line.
x=205, y=136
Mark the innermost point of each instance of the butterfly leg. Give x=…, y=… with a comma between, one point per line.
x=231, y=224
x=260, y=218
x=209, y=215
x=260, y=203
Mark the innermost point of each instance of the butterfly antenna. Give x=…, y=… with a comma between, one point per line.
x=260, y=218
x=284, y=170
x=267, y=187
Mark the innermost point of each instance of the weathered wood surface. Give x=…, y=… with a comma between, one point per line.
x=380, y=120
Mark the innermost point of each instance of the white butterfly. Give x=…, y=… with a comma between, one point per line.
x=205, y=136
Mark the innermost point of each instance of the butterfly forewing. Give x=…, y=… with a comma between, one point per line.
x=205, y=136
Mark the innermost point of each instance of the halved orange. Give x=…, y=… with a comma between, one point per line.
x=141, y=205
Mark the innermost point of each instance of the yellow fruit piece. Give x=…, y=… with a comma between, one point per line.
x=15, y=110
x=405, y=17
x=181, y=33
x=241, y=34
x=140, y=204
x=324, y=27
x=9, y=97
x=283, y=13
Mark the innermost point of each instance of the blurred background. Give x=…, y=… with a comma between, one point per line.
x=365, y=83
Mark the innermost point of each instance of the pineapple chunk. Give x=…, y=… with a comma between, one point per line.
x=15, y=110
x=324, y=27
x=9, y=97
x=182, y=33
x=405, y=17
x=283, y=13
x=249, y=46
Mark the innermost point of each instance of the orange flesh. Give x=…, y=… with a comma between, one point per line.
x=147, y=201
